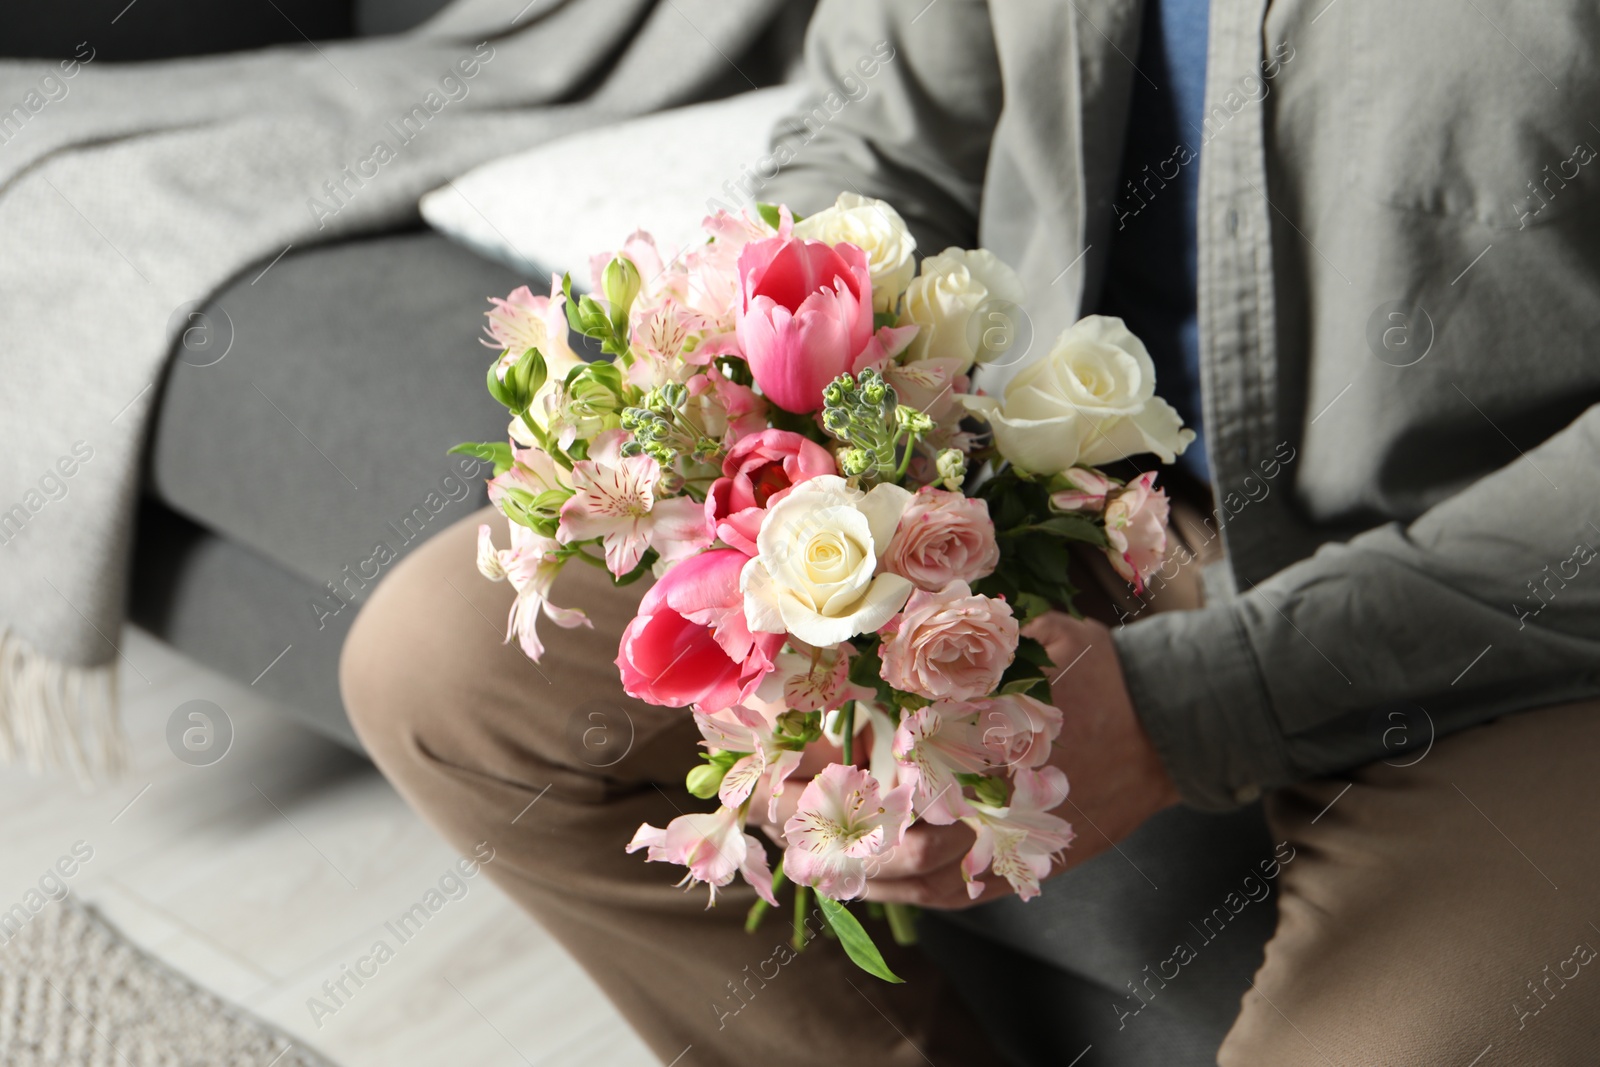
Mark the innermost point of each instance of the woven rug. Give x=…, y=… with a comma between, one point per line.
x=75, y=993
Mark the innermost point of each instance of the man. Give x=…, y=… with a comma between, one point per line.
x=1365, y=248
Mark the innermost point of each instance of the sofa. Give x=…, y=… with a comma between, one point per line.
x=300, y=449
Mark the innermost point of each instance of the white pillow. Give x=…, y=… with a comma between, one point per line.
x=550, y=208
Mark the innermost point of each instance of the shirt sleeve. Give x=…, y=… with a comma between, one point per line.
x=1487, y=603
x=902, y=103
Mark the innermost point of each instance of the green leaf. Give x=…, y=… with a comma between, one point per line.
x=857, y=944
x=574, y=320
x=1031, y=651
x=503, y=394
x=1029, y=606
x=1021, y=685
x=646, y=561
x=495, y=452
x=1067, y=527
x=771, y=215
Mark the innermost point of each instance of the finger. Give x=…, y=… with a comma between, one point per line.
x=925, y=849
x=942, y=890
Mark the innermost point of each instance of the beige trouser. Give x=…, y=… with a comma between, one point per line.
x=1433, y=913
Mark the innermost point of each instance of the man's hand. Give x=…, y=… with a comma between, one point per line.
x=1116, y=777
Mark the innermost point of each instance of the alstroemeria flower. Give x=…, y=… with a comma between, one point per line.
x=933, y=745
x=1019, y=842
x=1015, y=730
x=614, y=499
x=522, y=321
x=747, y=728
x=814, y=679
x=724, y=410
x=843, y=824
x=714, y=846
x=531, y=566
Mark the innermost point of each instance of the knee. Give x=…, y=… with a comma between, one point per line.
x=406, y=652
x=427, y=675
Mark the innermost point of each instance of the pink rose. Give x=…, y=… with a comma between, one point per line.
x=689, y=644
x=1088, y=492
x=950, y=645
x=805, y=315
x=943, y=537
x=760, y=470
x=1136, y=526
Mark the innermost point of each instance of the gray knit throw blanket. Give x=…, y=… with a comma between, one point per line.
x=129, y=192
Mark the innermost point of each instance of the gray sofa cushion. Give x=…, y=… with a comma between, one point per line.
x=312, y=423
x=241, y=615
x=361, y=355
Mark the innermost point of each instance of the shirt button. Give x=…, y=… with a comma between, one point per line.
x=1247, y=794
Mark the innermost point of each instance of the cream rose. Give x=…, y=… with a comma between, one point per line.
x=1091, y=400
x=879, y=231
x=815, y=574
x=943, y=298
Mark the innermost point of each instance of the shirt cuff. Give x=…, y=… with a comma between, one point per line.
x=1199, y=692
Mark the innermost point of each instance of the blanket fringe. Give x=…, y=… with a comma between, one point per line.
x=54, y=715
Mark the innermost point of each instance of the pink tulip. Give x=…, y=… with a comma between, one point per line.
x=804, y=318
x=689, y=644
x=758, y=471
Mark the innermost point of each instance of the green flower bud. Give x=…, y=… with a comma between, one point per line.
x=854, y=462
x=592, y=318
x=912, y=420
x=705, y=780
x=521, y=382
x=620, y=282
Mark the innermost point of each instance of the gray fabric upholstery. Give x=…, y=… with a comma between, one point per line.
x=324, y=429
x=365, y=351
x=237, y=612
x=1072, y=952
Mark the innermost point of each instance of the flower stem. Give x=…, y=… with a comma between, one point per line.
x=905, y=459
x=798, y=938
x=593, y=561
x=902, y=922
x=847, y=731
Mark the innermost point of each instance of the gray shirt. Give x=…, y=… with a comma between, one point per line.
x=1399, y=302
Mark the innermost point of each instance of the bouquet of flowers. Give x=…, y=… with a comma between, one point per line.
x=846, y=538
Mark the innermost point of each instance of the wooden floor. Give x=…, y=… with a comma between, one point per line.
x=265, y=874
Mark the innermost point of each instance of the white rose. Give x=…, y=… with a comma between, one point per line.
x=1091, y=400
x=942, y=299
x=879, y=231
x=815, y=574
